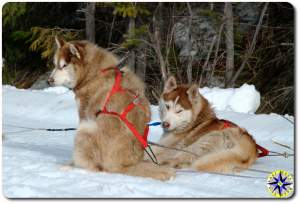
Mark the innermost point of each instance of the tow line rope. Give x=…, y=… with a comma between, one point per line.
x=221, y=174
x=284, y=154
x=33, y=129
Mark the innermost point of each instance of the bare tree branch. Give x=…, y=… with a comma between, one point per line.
x=217, y=51
x=207, y=58
x=252, y=45
x=111, y=29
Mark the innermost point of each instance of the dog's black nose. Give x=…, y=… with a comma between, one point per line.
x=166, y=125
x=50, y=81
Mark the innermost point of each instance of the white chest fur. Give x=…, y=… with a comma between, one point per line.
x=77, y=103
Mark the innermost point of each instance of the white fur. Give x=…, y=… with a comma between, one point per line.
x=170, y=84
x=176, y=115
x=62, y=63
x=77, y=103
x=74, y=51
x=55, y=59
x=65, y=76
x=89, y=126
x=57, y=42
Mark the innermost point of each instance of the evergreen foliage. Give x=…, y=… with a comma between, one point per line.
x=28, y=31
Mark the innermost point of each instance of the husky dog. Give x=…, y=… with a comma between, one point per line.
x=190, y=124
x=103, y=142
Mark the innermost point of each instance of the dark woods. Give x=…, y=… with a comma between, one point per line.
x=212, y=44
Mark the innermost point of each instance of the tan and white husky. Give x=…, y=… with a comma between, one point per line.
x=190, y=124
x=103, y=142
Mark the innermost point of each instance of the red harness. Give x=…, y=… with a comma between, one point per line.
x=263, y=151
x=123, y=115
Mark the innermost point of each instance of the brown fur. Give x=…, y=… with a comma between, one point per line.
x=181, y=92
x=103, y=142
x=218, y=149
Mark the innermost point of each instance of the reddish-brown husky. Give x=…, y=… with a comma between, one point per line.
x=190, y=124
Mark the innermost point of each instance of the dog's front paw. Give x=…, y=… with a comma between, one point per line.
x=165, y=174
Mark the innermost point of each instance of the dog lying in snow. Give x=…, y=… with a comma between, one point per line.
x=190, y=124
x=103, y=142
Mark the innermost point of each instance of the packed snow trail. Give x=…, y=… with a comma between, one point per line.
x=32, y=160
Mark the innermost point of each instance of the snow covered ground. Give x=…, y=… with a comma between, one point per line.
x=32, y=159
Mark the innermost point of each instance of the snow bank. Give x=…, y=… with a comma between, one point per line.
x=32, y=159
x=57, y=90
x=48, y=104
x=245, y=99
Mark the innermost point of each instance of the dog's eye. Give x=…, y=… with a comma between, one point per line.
x=167, y=106
x=179, y=111
x=62, y=66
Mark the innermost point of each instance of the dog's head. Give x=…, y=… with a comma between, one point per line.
x=179, y=105
x=67, y=59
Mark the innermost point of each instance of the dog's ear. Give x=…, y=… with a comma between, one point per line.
x=170, y=84
x=74, y=51
x=193, y=93
x=59, y=42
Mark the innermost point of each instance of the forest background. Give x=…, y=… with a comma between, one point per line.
x=212, y=44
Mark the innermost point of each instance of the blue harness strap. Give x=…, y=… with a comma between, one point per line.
x=154, y=124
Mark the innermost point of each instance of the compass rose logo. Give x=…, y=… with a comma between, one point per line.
x=280, y=184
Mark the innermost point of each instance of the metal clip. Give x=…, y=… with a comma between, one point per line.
x=152, y=155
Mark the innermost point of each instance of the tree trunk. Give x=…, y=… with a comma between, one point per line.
x=211, y=5
x=229, y=43
x=90, y=21
x=157, y=40
x=132, y=55
x=190, y=57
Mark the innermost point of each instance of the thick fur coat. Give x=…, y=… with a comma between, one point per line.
x=190, y=124
x=103, y=142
